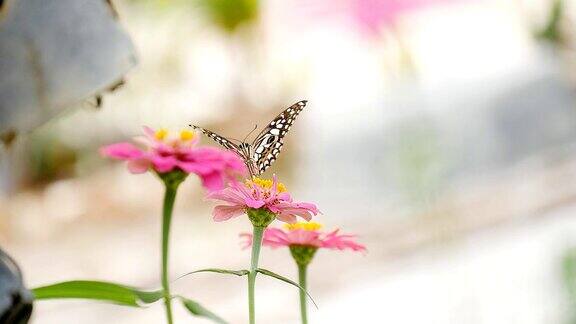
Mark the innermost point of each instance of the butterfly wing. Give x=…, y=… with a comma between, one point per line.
x=220, y=140
x=268, y=143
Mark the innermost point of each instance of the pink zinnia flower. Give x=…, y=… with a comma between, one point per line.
x=370, y=17
x=164, y=152
x=306, y=234
x=260, y=194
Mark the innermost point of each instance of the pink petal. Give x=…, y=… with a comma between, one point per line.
x=274, y=189
x=247, y=240
x=198, y=167
x=214, y=166
x=274, y=208
x=341, y=242
x=286, y=218
x=308, y=206
x=149, y=132
x=254, y=203
x=303, y=237
x=243, y=190
x=284, y=196
x=222, y=213
x=228, y=195
x=208, y=159
x=122, y=151
x=164, y=164
x=138, y=166
x=274, y=237
x=304, y=210
x=213, y=181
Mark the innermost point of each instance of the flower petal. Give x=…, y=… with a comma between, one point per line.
x=228, y=195
x=247, y=240
x=222, y=213
x=304, y=210
x=286, y=218
x=341, y=242
x=254, y=203
x=122, y=151
x=304, y=237
x=212, y=181
x=275, y=237
x=164, y=164
x=139, y=166
x=148, y=131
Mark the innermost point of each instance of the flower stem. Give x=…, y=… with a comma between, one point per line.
x=169, y=197
x=256, y=244
x=302, y=282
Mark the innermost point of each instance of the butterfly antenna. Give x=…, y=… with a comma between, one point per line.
x=252, y=131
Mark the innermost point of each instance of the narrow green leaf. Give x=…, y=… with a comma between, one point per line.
x=281, y=278
x=98, y=290
x=199, y=310
x=238, y=273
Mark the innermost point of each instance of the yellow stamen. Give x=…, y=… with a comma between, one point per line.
x=306, y=226
x=186, y=135
x=266, y=184
x=161, y=134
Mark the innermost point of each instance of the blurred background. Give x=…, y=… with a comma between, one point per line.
x=442, y=132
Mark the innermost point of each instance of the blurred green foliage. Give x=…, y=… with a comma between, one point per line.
x=230, y=14
x=227, y=15
x=569, y=278
x=552, y=31
x=50, y=159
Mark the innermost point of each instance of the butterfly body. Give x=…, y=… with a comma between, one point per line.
x=264, y=150
x=246, y=153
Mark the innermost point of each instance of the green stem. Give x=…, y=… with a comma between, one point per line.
x=169, y=197
x=302, y=282
x=256, y=245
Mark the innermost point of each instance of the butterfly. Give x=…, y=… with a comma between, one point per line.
x=264, y=150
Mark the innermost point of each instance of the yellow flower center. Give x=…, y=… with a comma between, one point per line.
x=161, y=134
x=173, y=138
x=265, y=184
x=186, y=135
x=306, y=226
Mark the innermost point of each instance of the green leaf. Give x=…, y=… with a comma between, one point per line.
x=118, y=294
x=199, y=310
x=281, y=278
x=238, y=273
x=98, y=290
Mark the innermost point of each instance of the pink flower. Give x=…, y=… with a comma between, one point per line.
x=164, y=153
x=371, y=16
x=258, y=193
x=306, y=234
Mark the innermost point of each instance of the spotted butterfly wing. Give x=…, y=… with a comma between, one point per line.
x=220, y=140
x=265, y=149
x=243, y=150
x=268, y=144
